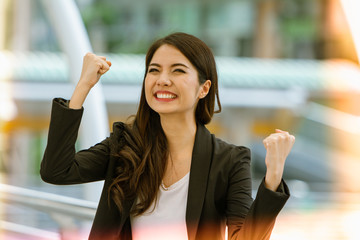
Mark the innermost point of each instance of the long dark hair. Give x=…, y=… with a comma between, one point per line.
x=143, y=159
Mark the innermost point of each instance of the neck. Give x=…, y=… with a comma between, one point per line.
x=180, y=133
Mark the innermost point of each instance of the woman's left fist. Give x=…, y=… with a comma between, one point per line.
x=278, y=146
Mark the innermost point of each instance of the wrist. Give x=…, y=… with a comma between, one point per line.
x=272, y=180
x=83, y=86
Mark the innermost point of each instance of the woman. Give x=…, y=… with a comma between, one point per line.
x=164, y=172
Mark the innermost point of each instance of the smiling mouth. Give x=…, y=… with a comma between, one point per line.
x=165, y=96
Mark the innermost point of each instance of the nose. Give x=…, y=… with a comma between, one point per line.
x=163, y=80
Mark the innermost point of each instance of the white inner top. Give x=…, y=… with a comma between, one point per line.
x=167, y=221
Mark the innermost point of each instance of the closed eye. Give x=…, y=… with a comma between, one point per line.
x=179, y=70
x=153, y=70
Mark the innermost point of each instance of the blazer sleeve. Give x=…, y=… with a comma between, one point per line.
x=258, y=222
x=61, y=164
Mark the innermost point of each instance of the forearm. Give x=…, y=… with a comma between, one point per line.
x=61, y=163
x=60, y=150
x=79, y=95
x=260, y=219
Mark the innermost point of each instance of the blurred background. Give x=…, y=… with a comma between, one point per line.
x=291, y=64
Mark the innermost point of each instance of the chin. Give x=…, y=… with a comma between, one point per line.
x=163, y=111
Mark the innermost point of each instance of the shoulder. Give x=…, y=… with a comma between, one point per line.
x=118, y=129
x=118, y=126
x=230, y=163
x=230, y=157
x=117, y=136
x=222, y=147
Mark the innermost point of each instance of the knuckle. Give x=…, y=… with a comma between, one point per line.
x=277, y=138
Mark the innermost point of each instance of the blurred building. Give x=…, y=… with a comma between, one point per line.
x=274, y=29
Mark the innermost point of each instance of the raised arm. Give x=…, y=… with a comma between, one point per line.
x=271, y=196
x=61, y=163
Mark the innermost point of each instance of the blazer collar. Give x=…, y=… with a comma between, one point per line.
x=199, y=173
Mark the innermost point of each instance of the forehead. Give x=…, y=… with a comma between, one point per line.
x=168, y=54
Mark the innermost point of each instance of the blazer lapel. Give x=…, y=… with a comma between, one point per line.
x=199, y=173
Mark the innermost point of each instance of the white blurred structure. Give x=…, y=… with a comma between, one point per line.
x=74, y=41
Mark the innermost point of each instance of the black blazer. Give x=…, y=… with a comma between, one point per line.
x=219, y=188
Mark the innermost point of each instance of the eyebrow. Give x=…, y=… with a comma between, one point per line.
x=173, y=65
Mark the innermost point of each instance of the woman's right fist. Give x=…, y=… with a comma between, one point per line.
x=93, y=68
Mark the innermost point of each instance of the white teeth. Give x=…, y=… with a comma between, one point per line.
x=165, y=95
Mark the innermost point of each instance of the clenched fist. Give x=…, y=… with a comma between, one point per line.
x=278, y=146
x=93, y=68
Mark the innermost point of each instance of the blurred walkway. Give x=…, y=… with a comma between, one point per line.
x=320, y=217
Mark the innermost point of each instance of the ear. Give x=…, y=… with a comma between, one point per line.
x=204, y=89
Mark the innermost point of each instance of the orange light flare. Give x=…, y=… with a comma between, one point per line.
x=351, y=10
x=348, y=201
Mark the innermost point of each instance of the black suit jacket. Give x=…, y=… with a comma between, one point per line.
x=219, y=188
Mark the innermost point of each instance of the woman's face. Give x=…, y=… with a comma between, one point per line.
x=172, y=83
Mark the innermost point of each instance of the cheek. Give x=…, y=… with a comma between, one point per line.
x=195, y=87
x=147, y=89
x=147, y=84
